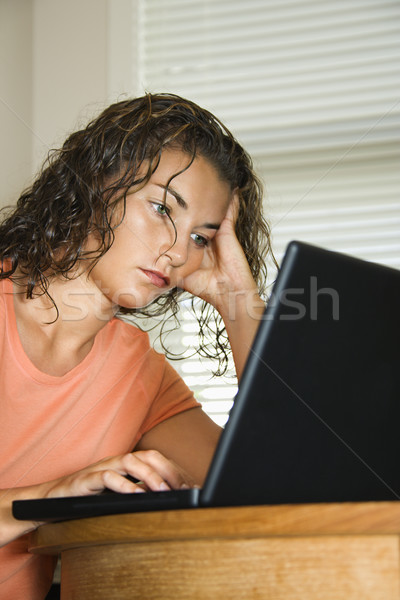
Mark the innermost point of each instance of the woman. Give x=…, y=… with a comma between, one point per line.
x=152, y=199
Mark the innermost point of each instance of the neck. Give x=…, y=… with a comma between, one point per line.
x=58, y=339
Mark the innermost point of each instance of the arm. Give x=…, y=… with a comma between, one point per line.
x=241, y=330
x=225, y=281
x=188, y=439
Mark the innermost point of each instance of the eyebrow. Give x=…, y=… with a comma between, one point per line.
x=170, y=190
x=183, y=204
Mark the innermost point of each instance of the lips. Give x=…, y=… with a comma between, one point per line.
x=158, y=279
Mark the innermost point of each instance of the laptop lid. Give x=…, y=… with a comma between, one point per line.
x=317, y=415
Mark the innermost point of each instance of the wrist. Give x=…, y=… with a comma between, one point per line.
x=11, y=528
x=240, y=304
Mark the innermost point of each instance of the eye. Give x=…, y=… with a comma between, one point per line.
x=199, y=240
x=161, y=209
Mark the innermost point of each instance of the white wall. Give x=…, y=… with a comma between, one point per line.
x=69, y=67
x=15, y=97
x=60, y=63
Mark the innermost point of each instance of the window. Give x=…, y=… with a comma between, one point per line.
x=311, y=89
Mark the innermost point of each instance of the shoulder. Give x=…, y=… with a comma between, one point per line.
x=136, y=345
x=127, y=332
x=131, y=344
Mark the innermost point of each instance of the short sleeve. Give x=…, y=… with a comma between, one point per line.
x=173, y=397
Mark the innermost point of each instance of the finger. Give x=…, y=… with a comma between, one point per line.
x=229, y=222
x=89, y=482
x=232, y=213
x=120, y=483
x=110, y=474
x=113, y=473
x=152, y=470
x=156, y=469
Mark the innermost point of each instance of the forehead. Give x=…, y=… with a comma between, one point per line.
x=190, y=181
x=174, y=162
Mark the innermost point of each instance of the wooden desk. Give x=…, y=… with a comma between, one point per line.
x=324, y=552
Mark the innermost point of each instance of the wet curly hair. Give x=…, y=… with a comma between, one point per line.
x=83, y=185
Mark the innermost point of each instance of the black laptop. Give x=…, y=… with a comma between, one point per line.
x=317, y=414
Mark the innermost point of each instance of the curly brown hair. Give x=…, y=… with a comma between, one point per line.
x=81, y=185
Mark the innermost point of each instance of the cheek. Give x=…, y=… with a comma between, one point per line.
x=192, y=264
x=132, y=235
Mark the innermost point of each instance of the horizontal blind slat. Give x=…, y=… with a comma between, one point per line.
x=312, y=91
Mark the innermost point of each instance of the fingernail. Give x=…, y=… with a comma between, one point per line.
x=184, y=486
x=164, y=487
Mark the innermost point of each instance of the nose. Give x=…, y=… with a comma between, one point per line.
x=176, y=250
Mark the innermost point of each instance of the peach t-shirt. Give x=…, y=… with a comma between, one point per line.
x=52, y=426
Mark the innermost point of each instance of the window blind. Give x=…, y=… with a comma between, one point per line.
x=312, y=90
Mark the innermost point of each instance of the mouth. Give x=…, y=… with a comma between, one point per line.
x=158, y=279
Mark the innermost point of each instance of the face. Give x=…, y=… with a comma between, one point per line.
x=150, y=257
